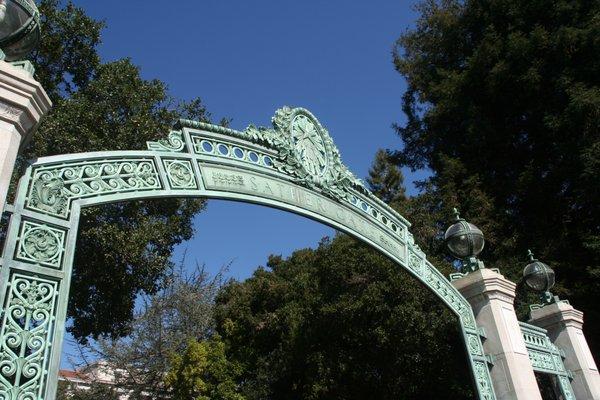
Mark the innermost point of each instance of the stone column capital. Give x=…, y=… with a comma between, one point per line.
x=557, y=313
x=23, y=101
x=484, y=285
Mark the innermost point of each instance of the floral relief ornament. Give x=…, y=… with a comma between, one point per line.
x=180, y=174
x=41, y=244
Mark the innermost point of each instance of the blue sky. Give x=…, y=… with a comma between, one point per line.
x=245, y=59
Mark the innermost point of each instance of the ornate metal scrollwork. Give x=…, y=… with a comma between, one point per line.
x=415, y=263
x=474, y=345
x=566, y=388
x=296, y=151
x=174, y=143
x=47, y=194
x=41, y=244
x=180, y=174
x=25, y=338
x=53, y=187
x=310, y=147
x=299, y=147
x=541, y=360
x=482, y=378
x=439, y=284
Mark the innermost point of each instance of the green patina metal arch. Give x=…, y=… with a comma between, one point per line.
x=293, y=166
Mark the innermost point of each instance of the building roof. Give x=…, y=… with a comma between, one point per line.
x=69, y=375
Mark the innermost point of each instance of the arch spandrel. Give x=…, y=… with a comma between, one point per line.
x=293, y=166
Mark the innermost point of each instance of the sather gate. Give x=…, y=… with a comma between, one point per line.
x=293, y=166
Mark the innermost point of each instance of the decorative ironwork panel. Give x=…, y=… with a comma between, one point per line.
x=474, y=345
x=416, y=263
x=541, y=361
x=26, y=333
x=482, y=378
x=546, y=358
x=174, y=143
x=440, y=285
x=565, y=387
x=41, y=244
x=180, y=174
x=234, y=151
x=52, y=188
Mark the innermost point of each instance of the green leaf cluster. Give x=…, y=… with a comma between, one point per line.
x=202, y=372
x=503, y=106
x=386, y=181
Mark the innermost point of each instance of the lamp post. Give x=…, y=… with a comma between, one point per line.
x=465, y=241
x=491, y=297
x=540, y=278
x=23, y=101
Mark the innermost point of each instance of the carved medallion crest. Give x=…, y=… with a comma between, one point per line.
x=41, y=244
x=309, y=145
x=307, y=152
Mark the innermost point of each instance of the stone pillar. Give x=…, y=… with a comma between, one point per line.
x=23, y=102
x=491, y=296
x=564, y=325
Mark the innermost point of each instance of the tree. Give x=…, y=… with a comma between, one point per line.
x=386, y=180
x=164, y=325
x=202, y=372
x=341, y=321
x=123, y=249
x=503, y=106
x=66, y=58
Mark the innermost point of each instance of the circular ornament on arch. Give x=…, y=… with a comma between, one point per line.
x=180, y=174
x=41, y=244
x=311, y=143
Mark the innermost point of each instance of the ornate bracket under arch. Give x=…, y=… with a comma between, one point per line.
x=293, y=166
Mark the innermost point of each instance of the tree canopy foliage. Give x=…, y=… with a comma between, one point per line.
x=503, y=106
x=386, y=181
x=341, y=321
x=123, y=249
x=202, y=372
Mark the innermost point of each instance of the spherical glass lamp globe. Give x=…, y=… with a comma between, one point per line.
x=19, y=28
x=538, y=276
x=463, y=239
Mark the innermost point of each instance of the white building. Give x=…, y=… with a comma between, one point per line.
x=99, y=372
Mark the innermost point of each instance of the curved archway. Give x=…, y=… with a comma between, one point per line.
x=293, y=166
